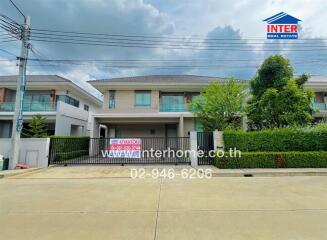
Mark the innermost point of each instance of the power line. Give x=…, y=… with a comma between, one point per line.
x=142, y=61
x=134, y=45
x=170, y=43
x=157, y=61
x=104, y=40
x=17, y=8
x=133, y=36
x=180, y=37
x=7, y=41
x=163, y=40
x=3, y=50
x=7, y=60
x=11, y=27
x=165, y=65
x=37, y=54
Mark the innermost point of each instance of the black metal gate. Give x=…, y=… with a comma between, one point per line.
x=153, y=150
x=205, y=144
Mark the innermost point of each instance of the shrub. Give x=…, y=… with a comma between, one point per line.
x=64, y=148
x=278, y=140
x=59, y=157
x=274, y=160
x=68, y=144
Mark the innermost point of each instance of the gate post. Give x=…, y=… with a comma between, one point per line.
x=218, y=140
x=48, y=151
x=194, y=148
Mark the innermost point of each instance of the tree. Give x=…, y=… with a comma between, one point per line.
x=37, y=127
x=274, y=72
x=278, y=100
x=219, y=105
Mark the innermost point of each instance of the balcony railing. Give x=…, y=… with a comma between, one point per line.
x=173, y=108
x=320, y=106
x=7, y=107
x=28, y=107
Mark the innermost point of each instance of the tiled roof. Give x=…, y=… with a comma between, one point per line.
x=317, y=78
x=35, y=78
x=163, y=79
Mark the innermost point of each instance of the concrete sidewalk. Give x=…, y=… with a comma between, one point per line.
x=60, y=203
x=112, y=171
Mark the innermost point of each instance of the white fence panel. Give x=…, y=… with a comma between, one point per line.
x=33, y=151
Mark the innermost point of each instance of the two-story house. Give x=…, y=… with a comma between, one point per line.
x=156, y=106
x=66, y=106
x=148, y=106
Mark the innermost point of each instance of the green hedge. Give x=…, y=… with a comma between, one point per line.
x=277, y=140
x=70, y=155
x=69, y=144
x=274, y=160
x=65, y=148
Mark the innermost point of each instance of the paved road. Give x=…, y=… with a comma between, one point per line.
x=103, y=203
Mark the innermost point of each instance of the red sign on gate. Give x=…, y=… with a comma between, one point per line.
x=125, y=148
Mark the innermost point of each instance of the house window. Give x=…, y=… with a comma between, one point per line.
x=173, y=100
x=86, y=107
x=36, y=102
x=68, y=100
x=142, y=98
x=172, y=103
x=112, y=99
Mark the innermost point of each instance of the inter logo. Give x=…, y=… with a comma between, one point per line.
x=282, y=26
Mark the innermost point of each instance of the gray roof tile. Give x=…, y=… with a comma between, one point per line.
x=164, y=79
x=35, y=78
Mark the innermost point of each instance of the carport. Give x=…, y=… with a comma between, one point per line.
x=142, y=125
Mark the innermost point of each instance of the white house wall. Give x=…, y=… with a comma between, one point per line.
x=93, y=108
x=67, y=116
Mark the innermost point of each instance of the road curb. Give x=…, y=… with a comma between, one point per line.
x=264, y=172
x=11, y=173
x=269, y=174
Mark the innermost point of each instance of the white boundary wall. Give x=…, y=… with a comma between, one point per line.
x=33, y=151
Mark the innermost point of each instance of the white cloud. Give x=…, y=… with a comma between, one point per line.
x=7, y=68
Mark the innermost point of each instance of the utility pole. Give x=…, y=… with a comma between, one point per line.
x=20, y=92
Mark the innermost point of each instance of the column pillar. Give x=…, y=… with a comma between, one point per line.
x=218, y=140
x=181, y=127
x=94, y=143
x=194, y=148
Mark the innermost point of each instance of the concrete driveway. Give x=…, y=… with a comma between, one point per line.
x=104, y=203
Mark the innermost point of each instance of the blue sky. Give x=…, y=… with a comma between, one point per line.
x=240, y=19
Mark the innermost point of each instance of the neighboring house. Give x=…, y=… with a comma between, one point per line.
x=66, y=106
x=156, y=106
x=319, y=85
